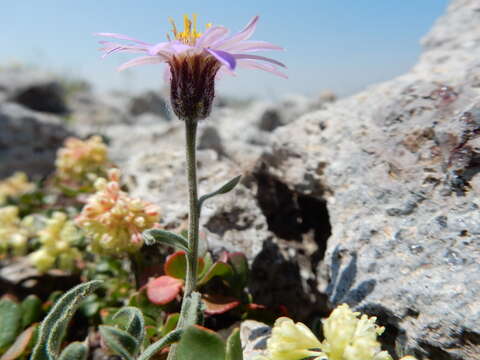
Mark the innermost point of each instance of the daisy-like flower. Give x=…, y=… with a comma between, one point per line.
x=194, y=60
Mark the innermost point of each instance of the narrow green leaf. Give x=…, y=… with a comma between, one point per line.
x=234, y=346
x=31, y=310
x=52, y=329
x=75, y=351
x=169, y=339
x=134, y=322
x=153, y=236
x=229, y=186
x=10, y=321
x=119, y=341
x=198, y=343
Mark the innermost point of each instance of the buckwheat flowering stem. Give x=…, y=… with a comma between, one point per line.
x=190, y=135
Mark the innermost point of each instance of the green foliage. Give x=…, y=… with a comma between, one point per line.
x=75, y=351
x=120, y=341
x=198, y=343
x=234, y=346
x=22, y=345
x=192, y=310
x=53, y=327
x=153, y=236
x=126, y=337
x=31, y=308
x=229, y=186
x=10, y=321
x=153, y=349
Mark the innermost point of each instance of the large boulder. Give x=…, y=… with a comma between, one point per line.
x=28, y=140
x=398, y=169
x=35, y=89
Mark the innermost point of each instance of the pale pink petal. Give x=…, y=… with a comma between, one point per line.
x=245, y=34
x=252, y=46
x=153, y=50
x=266, y=67
x=256, y=57
x=141, y=61
x=111, y=48
x=210, y=36
x=225, y=58
x=121, y=37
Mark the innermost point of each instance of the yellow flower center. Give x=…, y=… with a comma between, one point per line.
x=189, y=35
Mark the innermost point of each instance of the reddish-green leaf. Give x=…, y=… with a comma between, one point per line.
x=163, y=289
x=176, y=265
x=21, y=344
x=218, y=304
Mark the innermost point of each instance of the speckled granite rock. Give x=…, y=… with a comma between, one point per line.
x=398, y=167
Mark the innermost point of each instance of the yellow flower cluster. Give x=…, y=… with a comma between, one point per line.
x=57, y=238
x=113, y=220
x=80, y=162
x=13, y=233
x=347, y=337
x=15, y=185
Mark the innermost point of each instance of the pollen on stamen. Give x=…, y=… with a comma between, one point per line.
x=189, y=35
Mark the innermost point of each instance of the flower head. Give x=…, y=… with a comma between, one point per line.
x=194, y=60
x=57, y=238
x=80, y=162
x=292, y=341
x=113, y=220
x=348, y=337
x=12, y=234
x=15, y=185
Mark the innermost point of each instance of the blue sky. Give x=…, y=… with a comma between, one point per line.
x=341, y=45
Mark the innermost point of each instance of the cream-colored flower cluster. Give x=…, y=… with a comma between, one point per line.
x=113, y=220
x=80, y=162
x=13, y=231
x=348, y=336
x=15, y=185
x=57, y=238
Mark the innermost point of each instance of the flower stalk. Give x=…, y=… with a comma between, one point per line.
x=193, y=217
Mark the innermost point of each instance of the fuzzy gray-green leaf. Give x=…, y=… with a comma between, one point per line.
x=153, y=236
x=192, y=311
x=120, y=342
x=134, y=322
x=229, y=186
x=150, y=351
x=52, y=329
x=75, y=351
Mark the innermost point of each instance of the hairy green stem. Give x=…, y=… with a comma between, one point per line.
x=191, y=278
x=193, y=217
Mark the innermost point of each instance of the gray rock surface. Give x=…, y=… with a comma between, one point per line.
x=34, y=89
x=28, y=140
x=398, y=168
